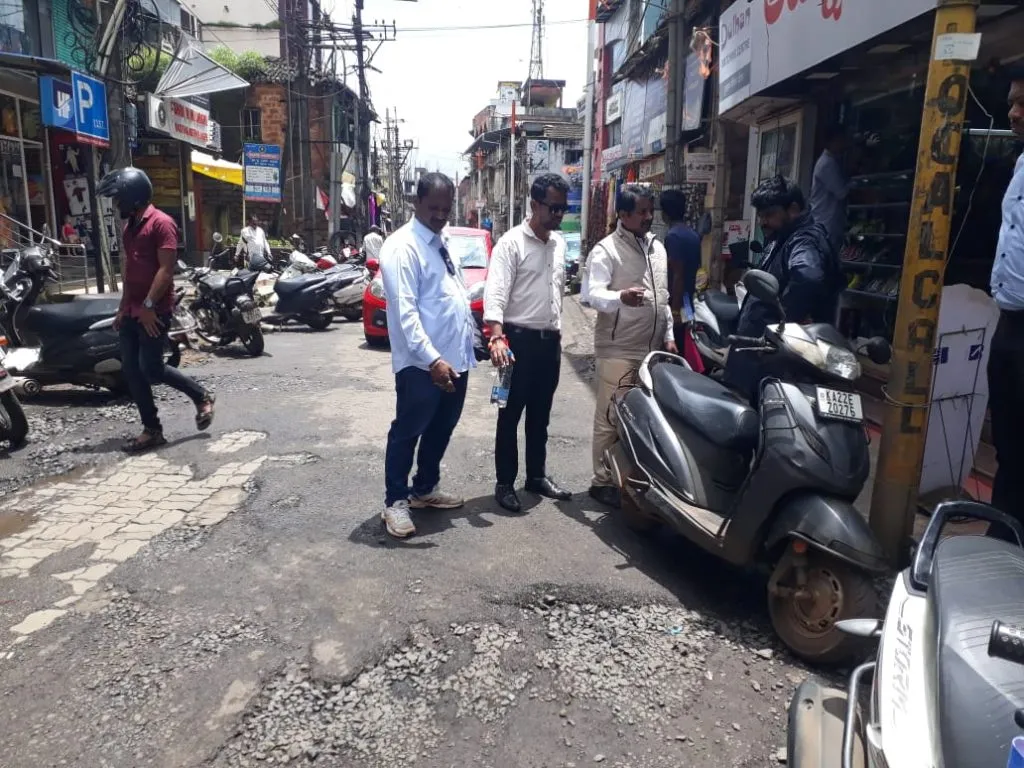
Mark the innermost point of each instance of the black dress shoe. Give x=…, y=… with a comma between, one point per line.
x=506, y=497
x=545, y=486
x=606, y=495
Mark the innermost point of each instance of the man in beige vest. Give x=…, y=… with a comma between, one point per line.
x=627, y=283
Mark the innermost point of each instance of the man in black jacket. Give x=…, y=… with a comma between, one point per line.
x=798, y=253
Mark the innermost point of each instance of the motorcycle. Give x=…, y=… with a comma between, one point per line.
x=71, y=342
x=225, y=309
x=349, y=280
x=771, y=488
x=13, y=424
x=946, y=677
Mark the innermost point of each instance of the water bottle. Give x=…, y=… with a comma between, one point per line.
x=1016, y=759
x=502, y=385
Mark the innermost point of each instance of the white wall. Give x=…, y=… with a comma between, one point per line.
x=233, y=11
x=240, y=39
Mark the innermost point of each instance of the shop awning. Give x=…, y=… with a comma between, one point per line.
x=221, y=170
x=35, y=64
x=193, y=73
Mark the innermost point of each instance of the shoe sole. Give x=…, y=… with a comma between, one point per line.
x=396, y=534
x=414, y=504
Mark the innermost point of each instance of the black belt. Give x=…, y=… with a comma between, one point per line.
x=537, y=333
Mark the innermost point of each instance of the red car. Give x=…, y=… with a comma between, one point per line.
x=469, y=248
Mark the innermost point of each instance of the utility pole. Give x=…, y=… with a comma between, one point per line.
x=894, y=501
x=512, y=170
x=676, y=57
x=588, y=139
x=362, y=185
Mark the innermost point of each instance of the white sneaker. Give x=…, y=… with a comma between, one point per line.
x=397, y=521
x=436, y=499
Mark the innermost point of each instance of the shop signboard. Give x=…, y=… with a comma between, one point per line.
x=539, y=153
x=180, y=120
x=700, y=167
x=693, y=94
x=787, y=37
x=90, y=103
x=262, y=172
x=612, y=155
x=56, y=101
x=613, y=108
x=652, y=167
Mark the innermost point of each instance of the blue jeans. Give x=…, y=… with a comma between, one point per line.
x=426, y=415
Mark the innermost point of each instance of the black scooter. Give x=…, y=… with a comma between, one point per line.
x=71, y=342
x=773, y=487
x=224, y=308
x=13, y=424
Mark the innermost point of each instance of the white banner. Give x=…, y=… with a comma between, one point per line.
x=179, y=119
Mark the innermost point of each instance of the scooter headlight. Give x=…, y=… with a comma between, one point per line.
x=476, y=292
x=839, y=361
x=377, y=289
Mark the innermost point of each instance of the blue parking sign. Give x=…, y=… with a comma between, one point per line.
x=90, y=101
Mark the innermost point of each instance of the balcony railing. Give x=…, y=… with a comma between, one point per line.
x=71, y=262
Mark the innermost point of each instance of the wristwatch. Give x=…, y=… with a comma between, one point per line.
x=148, y=303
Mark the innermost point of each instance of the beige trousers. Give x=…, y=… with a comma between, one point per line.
x=612, y=378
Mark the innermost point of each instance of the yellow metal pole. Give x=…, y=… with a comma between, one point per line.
x=894, y=501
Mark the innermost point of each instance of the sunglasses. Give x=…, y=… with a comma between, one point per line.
x=555, y=209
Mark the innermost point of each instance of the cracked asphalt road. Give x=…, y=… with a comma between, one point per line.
x=232, y=600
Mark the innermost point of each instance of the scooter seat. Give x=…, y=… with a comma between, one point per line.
x=214, y=281
x=69, y=318
x=723, y=306
x=298, y=284
x=706, y=406
x=975, y=580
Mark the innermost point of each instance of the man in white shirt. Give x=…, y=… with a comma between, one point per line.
x=628, y=286
x=430, y=327
x=253, y=245
x=830, y=187
x=373, y=242
x=523, y=307
x=1006, y=351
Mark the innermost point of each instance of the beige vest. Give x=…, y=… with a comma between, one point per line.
x=631, y=332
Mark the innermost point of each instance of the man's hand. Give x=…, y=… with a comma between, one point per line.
x=632, y=297
x=149, y=321
x=500, y=354
x=670, y=347
x=118, y=318
x=443, y=375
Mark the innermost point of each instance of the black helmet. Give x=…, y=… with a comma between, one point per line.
x=130, y=188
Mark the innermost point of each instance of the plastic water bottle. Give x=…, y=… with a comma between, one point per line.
x=502, y=385
x=1016, y=759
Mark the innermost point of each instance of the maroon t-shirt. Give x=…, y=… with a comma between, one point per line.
x=145, y=235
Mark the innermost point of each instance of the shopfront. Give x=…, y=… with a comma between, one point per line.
x=25, y=191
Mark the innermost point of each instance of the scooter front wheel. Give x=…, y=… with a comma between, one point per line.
x=13, y=424
x=804, y=617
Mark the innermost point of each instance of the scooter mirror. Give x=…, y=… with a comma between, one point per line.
x=218, y=237
x=181, y=267
x=878, y=350
x=756, y=247
x=762, y=285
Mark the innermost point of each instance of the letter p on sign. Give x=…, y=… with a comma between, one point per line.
x=84, y=100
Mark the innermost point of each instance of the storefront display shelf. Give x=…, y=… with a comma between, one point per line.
x=869, y=206
x=872, y=179
x=868, y=266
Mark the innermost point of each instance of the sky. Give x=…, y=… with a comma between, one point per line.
x=438, y=78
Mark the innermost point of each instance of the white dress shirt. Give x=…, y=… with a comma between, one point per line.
x=603, y=299
x=253, y=242
x=1008, y=268
x=372, y=244
x=428, y=312
x=526, y=280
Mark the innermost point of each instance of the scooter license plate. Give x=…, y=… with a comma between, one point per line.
x=251, y=316
x=843, y=406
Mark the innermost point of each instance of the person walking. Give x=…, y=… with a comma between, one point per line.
x=629, y=289
x=1006, y=355
x=682, y=246
x=830, y=187
x=253, y=245
x=373, y=242
x=523, y=308
x=149, y=249
x=430, y=327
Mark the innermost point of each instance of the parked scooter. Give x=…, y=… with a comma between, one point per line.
x=72, y=342
x=715, y=318
x=772, y=488
x=350, y=279
x=225, y=309
x=945, y=689
x=13, y=424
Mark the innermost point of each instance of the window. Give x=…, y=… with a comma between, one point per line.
x=252, y=125
x=573, y=156
x=615, y=134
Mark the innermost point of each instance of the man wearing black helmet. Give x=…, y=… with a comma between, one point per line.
x=149, y=253
x=799, y=253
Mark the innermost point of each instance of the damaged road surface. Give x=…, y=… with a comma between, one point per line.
x=233, y=601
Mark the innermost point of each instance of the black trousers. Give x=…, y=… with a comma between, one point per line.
x=1006, y=406
x=538, y=361
x=142, y=363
